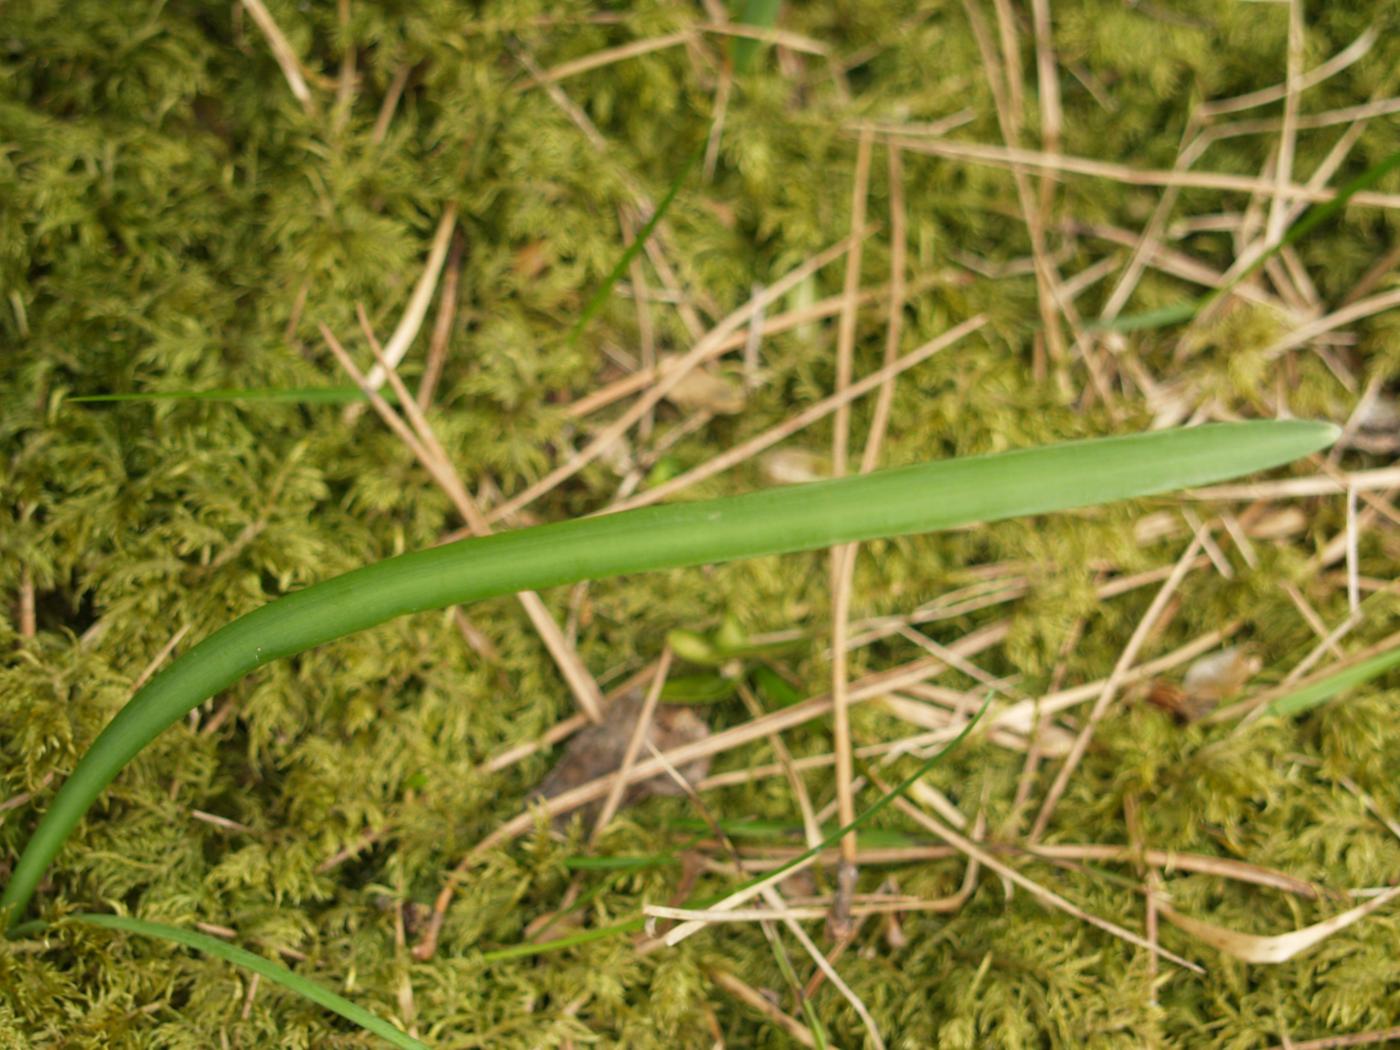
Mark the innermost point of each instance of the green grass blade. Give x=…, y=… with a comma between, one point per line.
x=760, y=13
x=921, y=498
x=600, y=297
x=639, y=863
x=1164, y=317
x=697, y=689
x=256, y=963
x=777, y=831
x=1307, y=222
x=303, y=395
x=1320, y=692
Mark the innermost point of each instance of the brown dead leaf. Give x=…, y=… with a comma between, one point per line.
x=725, y=213
x=704, y=391
x=530, y=260
x=598, y=750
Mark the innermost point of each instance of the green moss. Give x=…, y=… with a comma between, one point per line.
x=163, y=202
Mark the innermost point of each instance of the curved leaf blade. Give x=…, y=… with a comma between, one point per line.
x=926, y=497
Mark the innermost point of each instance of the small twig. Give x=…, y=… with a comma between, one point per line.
x=806, y=418
x=1338, y=1042
x=843, y=557
x=770, y=35
x=749, y=997
x=224, y=823
x=284, y=54
x=846, y=327
x=160, y=657
x=1048, y=897
x=565, y=728
x=607, y=56
x=702, y=351
x=1353, y=557
x=23, y=797
x=1354, y=311
x=1025, y=783
x=424, y=444
x=338, y=858
x=417, y=309
x=811, y=826
x=1294, y=488
x=248, y=998
x=1377, y=272
x=1351, y=54
x=1111, y=687
x=28, y=625
x=894, y=322
x=1288, y=139
x=1010, y=157
x=646, y=326
x=1310, y=615
x=442, y=327
x=722, y=92
x=828, y=307
x=655, y=245
x=752, y=345
x=634, y=747
x=390, y=103
x=346, y=81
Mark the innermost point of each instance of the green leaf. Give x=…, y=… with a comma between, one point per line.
x=1325, y=689
x=774, y=688
x=762, y=14
x=693, y=647
x=922, y=498
x=697, y=689
x=264, y=967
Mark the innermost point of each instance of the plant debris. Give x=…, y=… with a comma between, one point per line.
x=598, y=750
x=1208, y=681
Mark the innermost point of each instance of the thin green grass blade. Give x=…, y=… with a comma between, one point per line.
x=303, y=395
x=265, y=967
x=1307, y=222
x=814, y=1024
x=1164, y=317
x=600, y=297
x=1320, y=692
x=638, y=863
x=762, y=14
x=777, y=831
x=925, y=497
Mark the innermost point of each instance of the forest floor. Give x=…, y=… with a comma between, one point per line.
x=1132, y=849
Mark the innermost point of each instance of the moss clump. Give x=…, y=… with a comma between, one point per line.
x=171, y=218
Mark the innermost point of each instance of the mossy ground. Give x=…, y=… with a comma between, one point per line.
x=164, y=204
